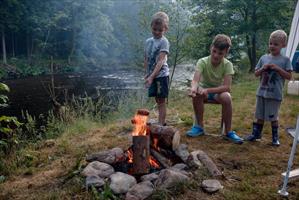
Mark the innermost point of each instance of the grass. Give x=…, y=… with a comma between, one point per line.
x=252, y=170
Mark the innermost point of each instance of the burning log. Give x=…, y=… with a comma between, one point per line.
x=166, y=163
x=165, y=137
x=141, y=154
x=208, y=163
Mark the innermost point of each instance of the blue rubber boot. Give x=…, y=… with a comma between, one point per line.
x=195, y=131
x=256, y=132
x=275, y=140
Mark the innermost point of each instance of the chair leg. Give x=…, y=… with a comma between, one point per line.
x=222, y=127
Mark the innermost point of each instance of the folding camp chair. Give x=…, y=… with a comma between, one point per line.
x=294, y=173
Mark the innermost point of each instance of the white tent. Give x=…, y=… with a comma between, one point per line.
x=290, y=51
x=294, y=35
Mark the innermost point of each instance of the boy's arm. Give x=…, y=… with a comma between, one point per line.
x=145, y=63
x=161, y=61
x=283, y=73
x=225, y=87
x=194, y=84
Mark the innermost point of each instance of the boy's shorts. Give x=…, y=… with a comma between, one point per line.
x=159, y=87
x=267, y=109
x=212, y=96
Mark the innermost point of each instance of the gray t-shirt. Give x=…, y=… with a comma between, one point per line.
x=271, y=83
x=152, y=49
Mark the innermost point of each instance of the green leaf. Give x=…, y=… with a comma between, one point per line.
x=2, y=143
x=4, y=87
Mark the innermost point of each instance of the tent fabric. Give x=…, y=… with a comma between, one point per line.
x=294, y=34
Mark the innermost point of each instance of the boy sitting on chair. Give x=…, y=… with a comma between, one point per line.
x=212, y=81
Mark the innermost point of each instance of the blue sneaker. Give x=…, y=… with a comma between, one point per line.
x=195, y=131
x=232, y=136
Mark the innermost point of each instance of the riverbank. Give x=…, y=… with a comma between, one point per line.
x=50, y=169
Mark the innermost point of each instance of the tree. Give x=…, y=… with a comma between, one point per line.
x=10, y=12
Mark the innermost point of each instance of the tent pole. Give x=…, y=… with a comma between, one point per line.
x=283, y=190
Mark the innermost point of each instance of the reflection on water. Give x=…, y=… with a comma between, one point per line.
x=32, y=93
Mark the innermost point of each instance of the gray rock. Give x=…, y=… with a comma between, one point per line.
x=182, y=152
x=110, y=156
x=211, y=185
x=140, y=191
x=97, y=168
x=168, y=178
x=193, y=160
x=179, y=166
x=121, y=182
x=95, y=181
x=150, y=177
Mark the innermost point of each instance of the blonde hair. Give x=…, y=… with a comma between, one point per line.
x=279, y=35
x=160, y=18
x=222, y=42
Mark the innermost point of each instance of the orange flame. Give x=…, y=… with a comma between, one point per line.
x=153, y=162
x=130, y=156
x=140, y=125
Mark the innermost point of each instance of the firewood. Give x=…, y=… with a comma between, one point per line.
x=141, y=154
x=209, y=164
x=143, y=112
x=166, y=163
x=165, y=137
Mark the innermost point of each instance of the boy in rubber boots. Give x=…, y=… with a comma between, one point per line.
x=212, y=81
x=273, y=69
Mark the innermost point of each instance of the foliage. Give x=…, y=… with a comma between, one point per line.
x=8, y=125
x=249, y=23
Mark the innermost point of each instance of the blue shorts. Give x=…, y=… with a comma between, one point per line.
x=159, y=87
x=211, y=96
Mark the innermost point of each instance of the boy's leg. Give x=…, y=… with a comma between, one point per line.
x=275, y=135
x=161, y=109
x=161, y=95
x=198, y=107
x=271, y=114
x=226, y=102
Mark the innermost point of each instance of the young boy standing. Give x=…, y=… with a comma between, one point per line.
x=155, y=63
x=212, y=81
x=273, y=69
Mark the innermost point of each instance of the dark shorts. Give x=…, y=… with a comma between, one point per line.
x=159, y=87
x=212, y=96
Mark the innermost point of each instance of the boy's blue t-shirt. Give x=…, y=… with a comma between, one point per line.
x=152, y=49
x=271, y=83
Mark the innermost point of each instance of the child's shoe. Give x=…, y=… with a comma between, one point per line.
x=232, y=136
x=256, y=132
x=275, y=141
x=195, y=131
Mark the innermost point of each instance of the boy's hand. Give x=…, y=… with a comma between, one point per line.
x=192, y=92
x=202, y=91
x=148, y=81
x=265, y=67
x=273, y=67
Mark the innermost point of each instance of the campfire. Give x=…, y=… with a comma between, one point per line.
x=155, y=159
x=150, y=142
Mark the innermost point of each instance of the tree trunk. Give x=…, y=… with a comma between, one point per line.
x=13, y=45
x=249, y=52
x=3, y=47
x=28, y=47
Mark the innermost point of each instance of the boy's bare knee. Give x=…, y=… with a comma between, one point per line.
x=225, y=98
